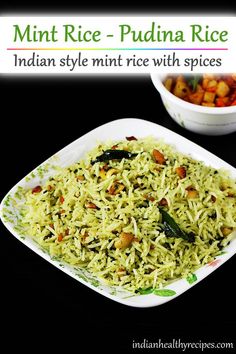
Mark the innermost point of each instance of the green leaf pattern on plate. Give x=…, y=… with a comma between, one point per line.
x=146, y=291
x=164, y=292
x=158, y=292
x=191, y=278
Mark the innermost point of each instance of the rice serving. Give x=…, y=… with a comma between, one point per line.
x=107, y=215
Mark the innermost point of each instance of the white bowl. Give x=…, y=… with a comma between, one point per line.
x=116, y=130
x=199, y=119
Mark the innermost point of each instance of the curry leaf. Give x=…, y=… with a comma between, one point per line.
x=114, y=155
x=172, y=229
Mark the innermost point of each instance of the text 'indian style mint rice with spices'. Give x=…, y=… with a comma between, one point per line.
x=136, y=213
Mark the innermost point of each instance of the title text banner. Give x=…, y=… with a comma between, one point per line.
x=72, y=45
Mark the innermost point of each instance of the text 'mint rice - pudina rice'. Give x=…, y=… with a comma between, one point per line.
x=135, y=213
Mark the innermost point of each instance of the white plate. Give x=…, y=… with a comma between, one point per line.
x=114, y=130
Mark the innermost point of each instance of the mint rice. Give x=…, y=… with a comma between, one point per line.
x=107, y=214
